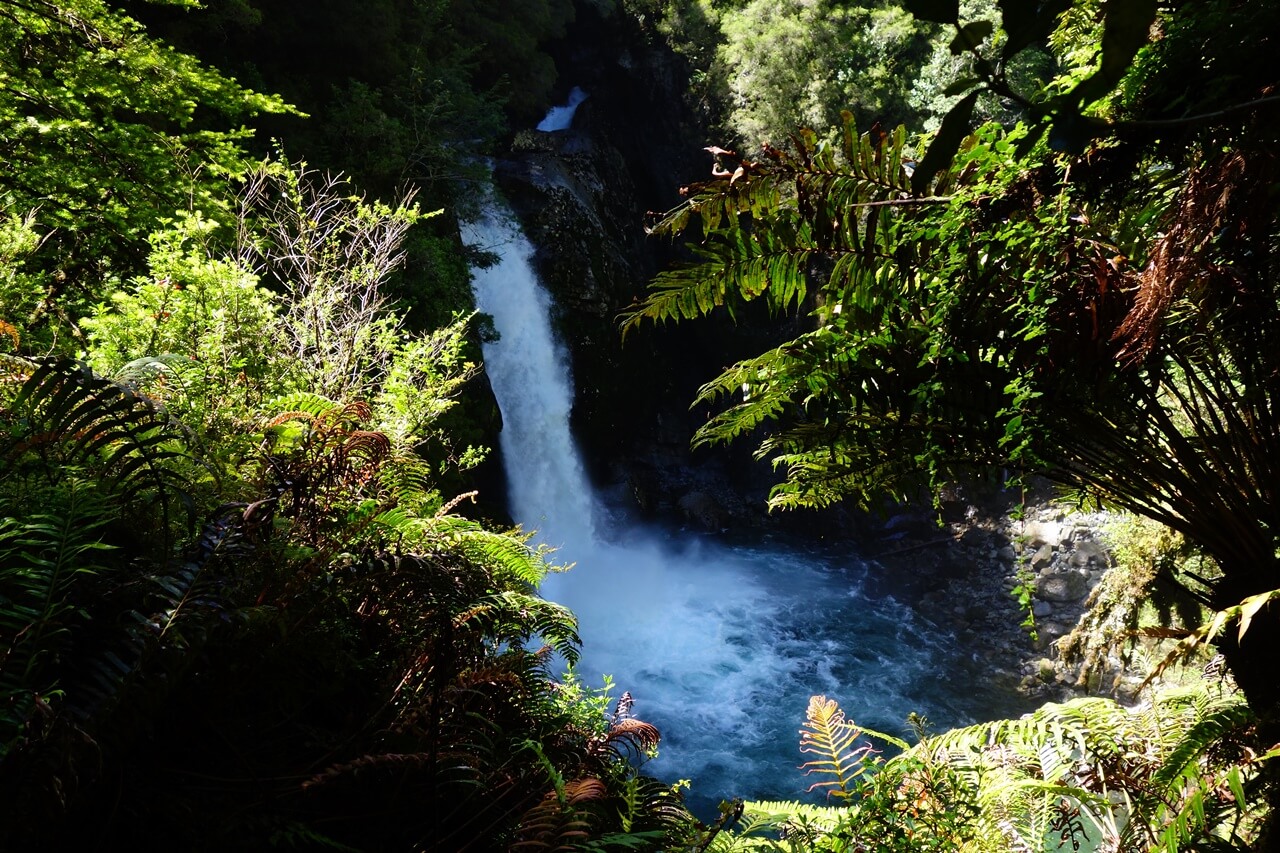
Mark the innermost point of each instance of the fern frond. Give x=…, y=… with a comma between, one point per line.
x=631, y=738
x=383, y=764
x=519, y=617
x=831, y=737
x=302, y=402
x=106, y=423
x=43, y=560
x=558, y=823
x=769, y=221
x=788, y=809
x=509, y=556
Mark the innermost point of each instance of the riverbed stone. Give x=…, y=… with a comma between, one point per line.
x=1062, y=587
x=1039, y=533
x=1042, y=557
x=1089, y=553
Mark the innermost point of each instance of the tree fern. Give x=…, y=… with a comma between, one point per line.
x=1140, y=776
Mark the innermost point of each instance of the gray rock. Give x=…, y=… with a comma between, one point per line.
x=1088, y=552
x=1041, y=609
x=1039, y=533
x=1042, y=558
x=1045, y=670
x=1062, y=586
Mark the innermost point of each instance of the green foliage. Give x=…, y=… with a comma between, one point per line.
x=865, y=394
x=20, y=290
x=205, y=333
x=765, y=69
x=44, y=557
x=1024, y=593
x=329, y=637
x=1134, y=602
x=1108, y=320
x=105, y=130
x=794, y=64
x=324, y=645
x=1179, y=773
x=70, y=419
x=1116, y=767
x=198, y=330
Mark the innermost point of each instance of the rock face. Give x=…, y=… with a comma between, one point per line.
x=703, y=510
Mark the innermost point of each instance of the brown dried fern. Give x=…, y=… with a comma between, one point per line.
x=1223, y=203
x=558, y=823
x=631, y=737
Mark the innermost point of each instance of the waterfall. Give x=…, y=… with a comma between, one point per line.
x=529, y=371
x=561, y=117
x=720, y=644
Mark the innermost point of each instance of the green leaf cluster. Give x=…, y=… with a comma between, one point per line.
x=105, y=129
x=321, y=631
x=1087, y=774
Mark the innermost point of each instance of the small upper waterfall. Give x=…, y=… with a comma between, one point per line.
x=561, y=117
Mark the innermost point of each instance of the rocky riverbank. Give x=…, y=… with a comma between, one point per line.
x=1011, y=581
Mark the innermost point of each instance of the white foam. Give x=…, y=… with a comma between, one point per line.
x=561, y=117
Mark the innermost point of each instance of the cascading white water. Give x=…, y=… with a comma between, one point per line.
x=721, y=646
x=561, y=117
x=529, y=372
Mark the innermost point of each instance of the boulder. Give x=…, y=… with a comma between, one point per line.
x=1045, y=670
x=1042, y=558
x=1062, y=587
x=1039, y=533
x=1090, y=553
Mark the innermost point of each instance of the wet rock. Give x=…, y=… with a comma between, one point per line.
x=704, y=510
